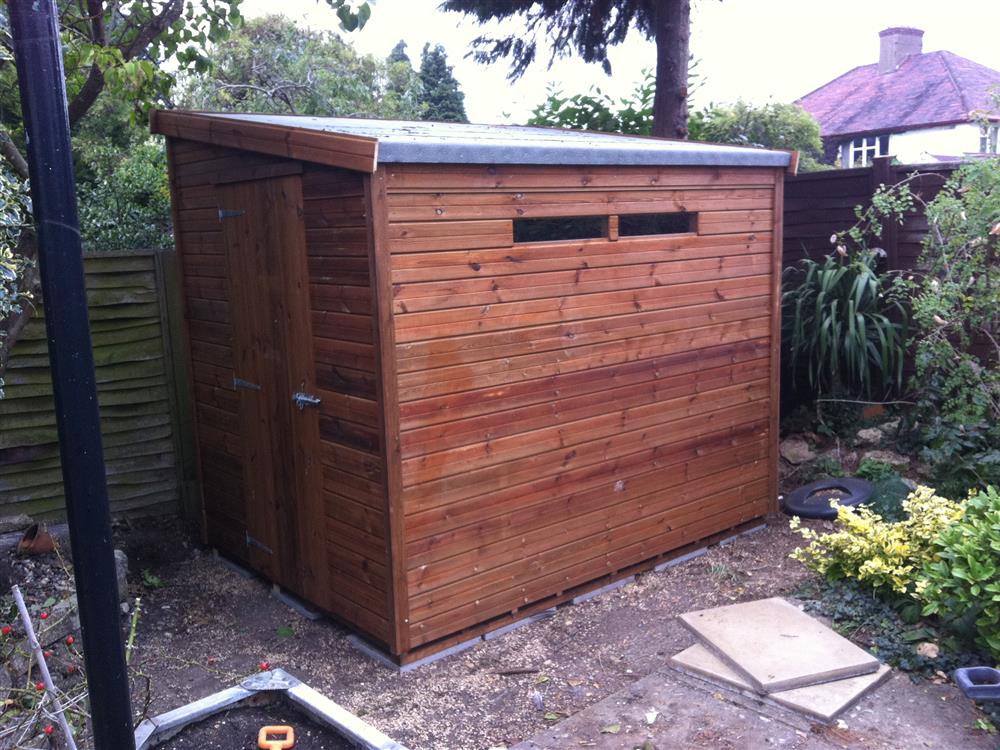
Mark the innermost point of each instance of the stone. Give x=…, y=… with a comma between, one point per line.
x=121, y=574
x=870, y=436
x=796, y=450
x=824, y=702
x=10, y=524
x=774, y=646
x=887, y=457
x=890, y=428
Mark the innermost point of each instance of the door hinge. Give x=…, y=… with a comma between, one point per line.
x=230, y=213
x=245, y=384
x=251, y=542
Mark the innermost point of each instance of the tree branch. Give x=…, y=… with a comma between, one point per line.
x=14, y=324
x=10, y=152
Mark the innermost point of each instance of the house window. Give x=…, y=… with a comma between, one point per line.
x=863, y=151
x=988, y=139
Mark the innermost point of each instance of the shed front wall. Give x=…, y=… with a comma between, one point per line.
x=569, y=409
x=341, y=311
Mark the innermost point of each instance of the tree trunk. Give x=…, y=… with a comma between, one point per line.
x=673, y=34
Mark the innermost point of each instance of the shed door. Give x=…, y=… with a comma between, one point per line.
x=274, y=377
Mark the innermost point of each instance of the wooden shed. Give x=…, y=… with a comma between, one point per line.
x=449, y=375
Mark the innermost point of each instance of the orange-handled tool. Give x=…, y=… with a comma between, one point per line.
x=287, y=735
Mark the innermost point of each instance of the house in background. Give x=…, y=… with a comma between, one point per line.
x=916, y=106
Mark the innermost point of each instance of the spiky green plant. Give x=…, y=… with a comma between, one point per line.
x=845, y=325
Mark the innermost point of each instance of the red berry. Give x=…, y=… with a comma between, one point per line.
x=44, y=615
x=47, y=654
x=49, y=729
x=6, y=630
x=70, y=668
x=70, y=640
x=39, y=686
x=264, y=666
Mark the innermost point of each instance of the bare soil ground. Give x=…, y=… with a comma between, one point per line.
x=205, y=626
x=238, y=728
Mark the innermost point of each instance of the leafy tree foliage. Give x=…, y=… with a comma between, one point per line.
x=590, y=27
x=111, y=48
x=272, y=65
x=596, y=110
x=125, y=204
x=783, y=126
x=773, y=125
x=955, y=424
x=442, y=99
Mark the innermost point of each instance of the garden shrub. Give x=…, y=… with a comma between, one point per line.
x=962, y=577
x=887, y=556
x=955, y=425
x=844, y=321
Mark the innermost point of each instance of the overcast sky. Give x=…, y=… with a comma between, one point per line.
x=754, y=49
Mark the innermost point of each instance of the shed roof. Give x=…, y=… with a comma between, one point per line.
x=363, y=144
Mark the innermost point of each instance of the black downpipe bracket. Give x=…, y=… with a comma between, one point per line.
x=42, y=86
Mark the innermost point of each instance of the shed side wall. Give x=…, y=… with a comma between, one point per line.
x=569, y=409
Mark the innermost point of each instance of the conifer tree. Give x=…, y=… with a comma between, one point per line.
x=442, y=98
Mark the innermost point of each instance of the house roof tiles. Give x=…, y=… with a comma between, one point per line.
x=933, y=88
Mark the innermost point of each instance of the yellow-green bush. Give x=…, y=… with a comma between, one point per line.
x=887, y=556
x=962, y=575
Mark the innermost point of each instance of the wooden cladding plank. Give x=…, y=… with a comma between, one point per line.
x=569, y=256
x=467, y=405
x=335, y=149
x=463, y=206
x=728, y=222
x=593, y=558
x=434, y=466
x=547, y=466
x=462, y=235
x=412, y=177
x=469, y=514
x=423, y=326
x=397, y=598
x=565, y=408
x=538, y=533
x=680, y=332
x=417, y=297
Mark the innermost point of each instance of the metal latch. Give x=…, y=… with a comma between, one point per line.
x=230, y=213
x=245, y=384
x=302, y=400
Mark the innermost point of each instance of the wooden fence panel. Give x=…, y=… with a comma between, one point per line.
x=136, y=384
x=818, y=204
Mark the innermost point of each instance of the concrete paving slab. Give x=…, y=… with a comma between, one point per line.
x=825, y=702
x=775, y=646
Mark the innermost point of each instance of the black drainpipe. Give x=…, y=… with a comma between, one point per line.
x=42, y=85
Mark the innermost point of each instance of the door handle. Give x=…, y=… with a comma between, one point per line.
x=302, y=400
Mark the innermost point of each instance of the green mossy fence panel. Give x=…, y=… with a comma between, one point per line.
x=136, y=373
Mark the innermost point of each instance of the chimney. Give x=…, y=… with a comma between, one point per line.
x=897, y=44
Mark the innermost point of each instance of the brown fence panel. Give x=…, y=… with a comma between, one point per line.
x=136, y=390
x=818, y=204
